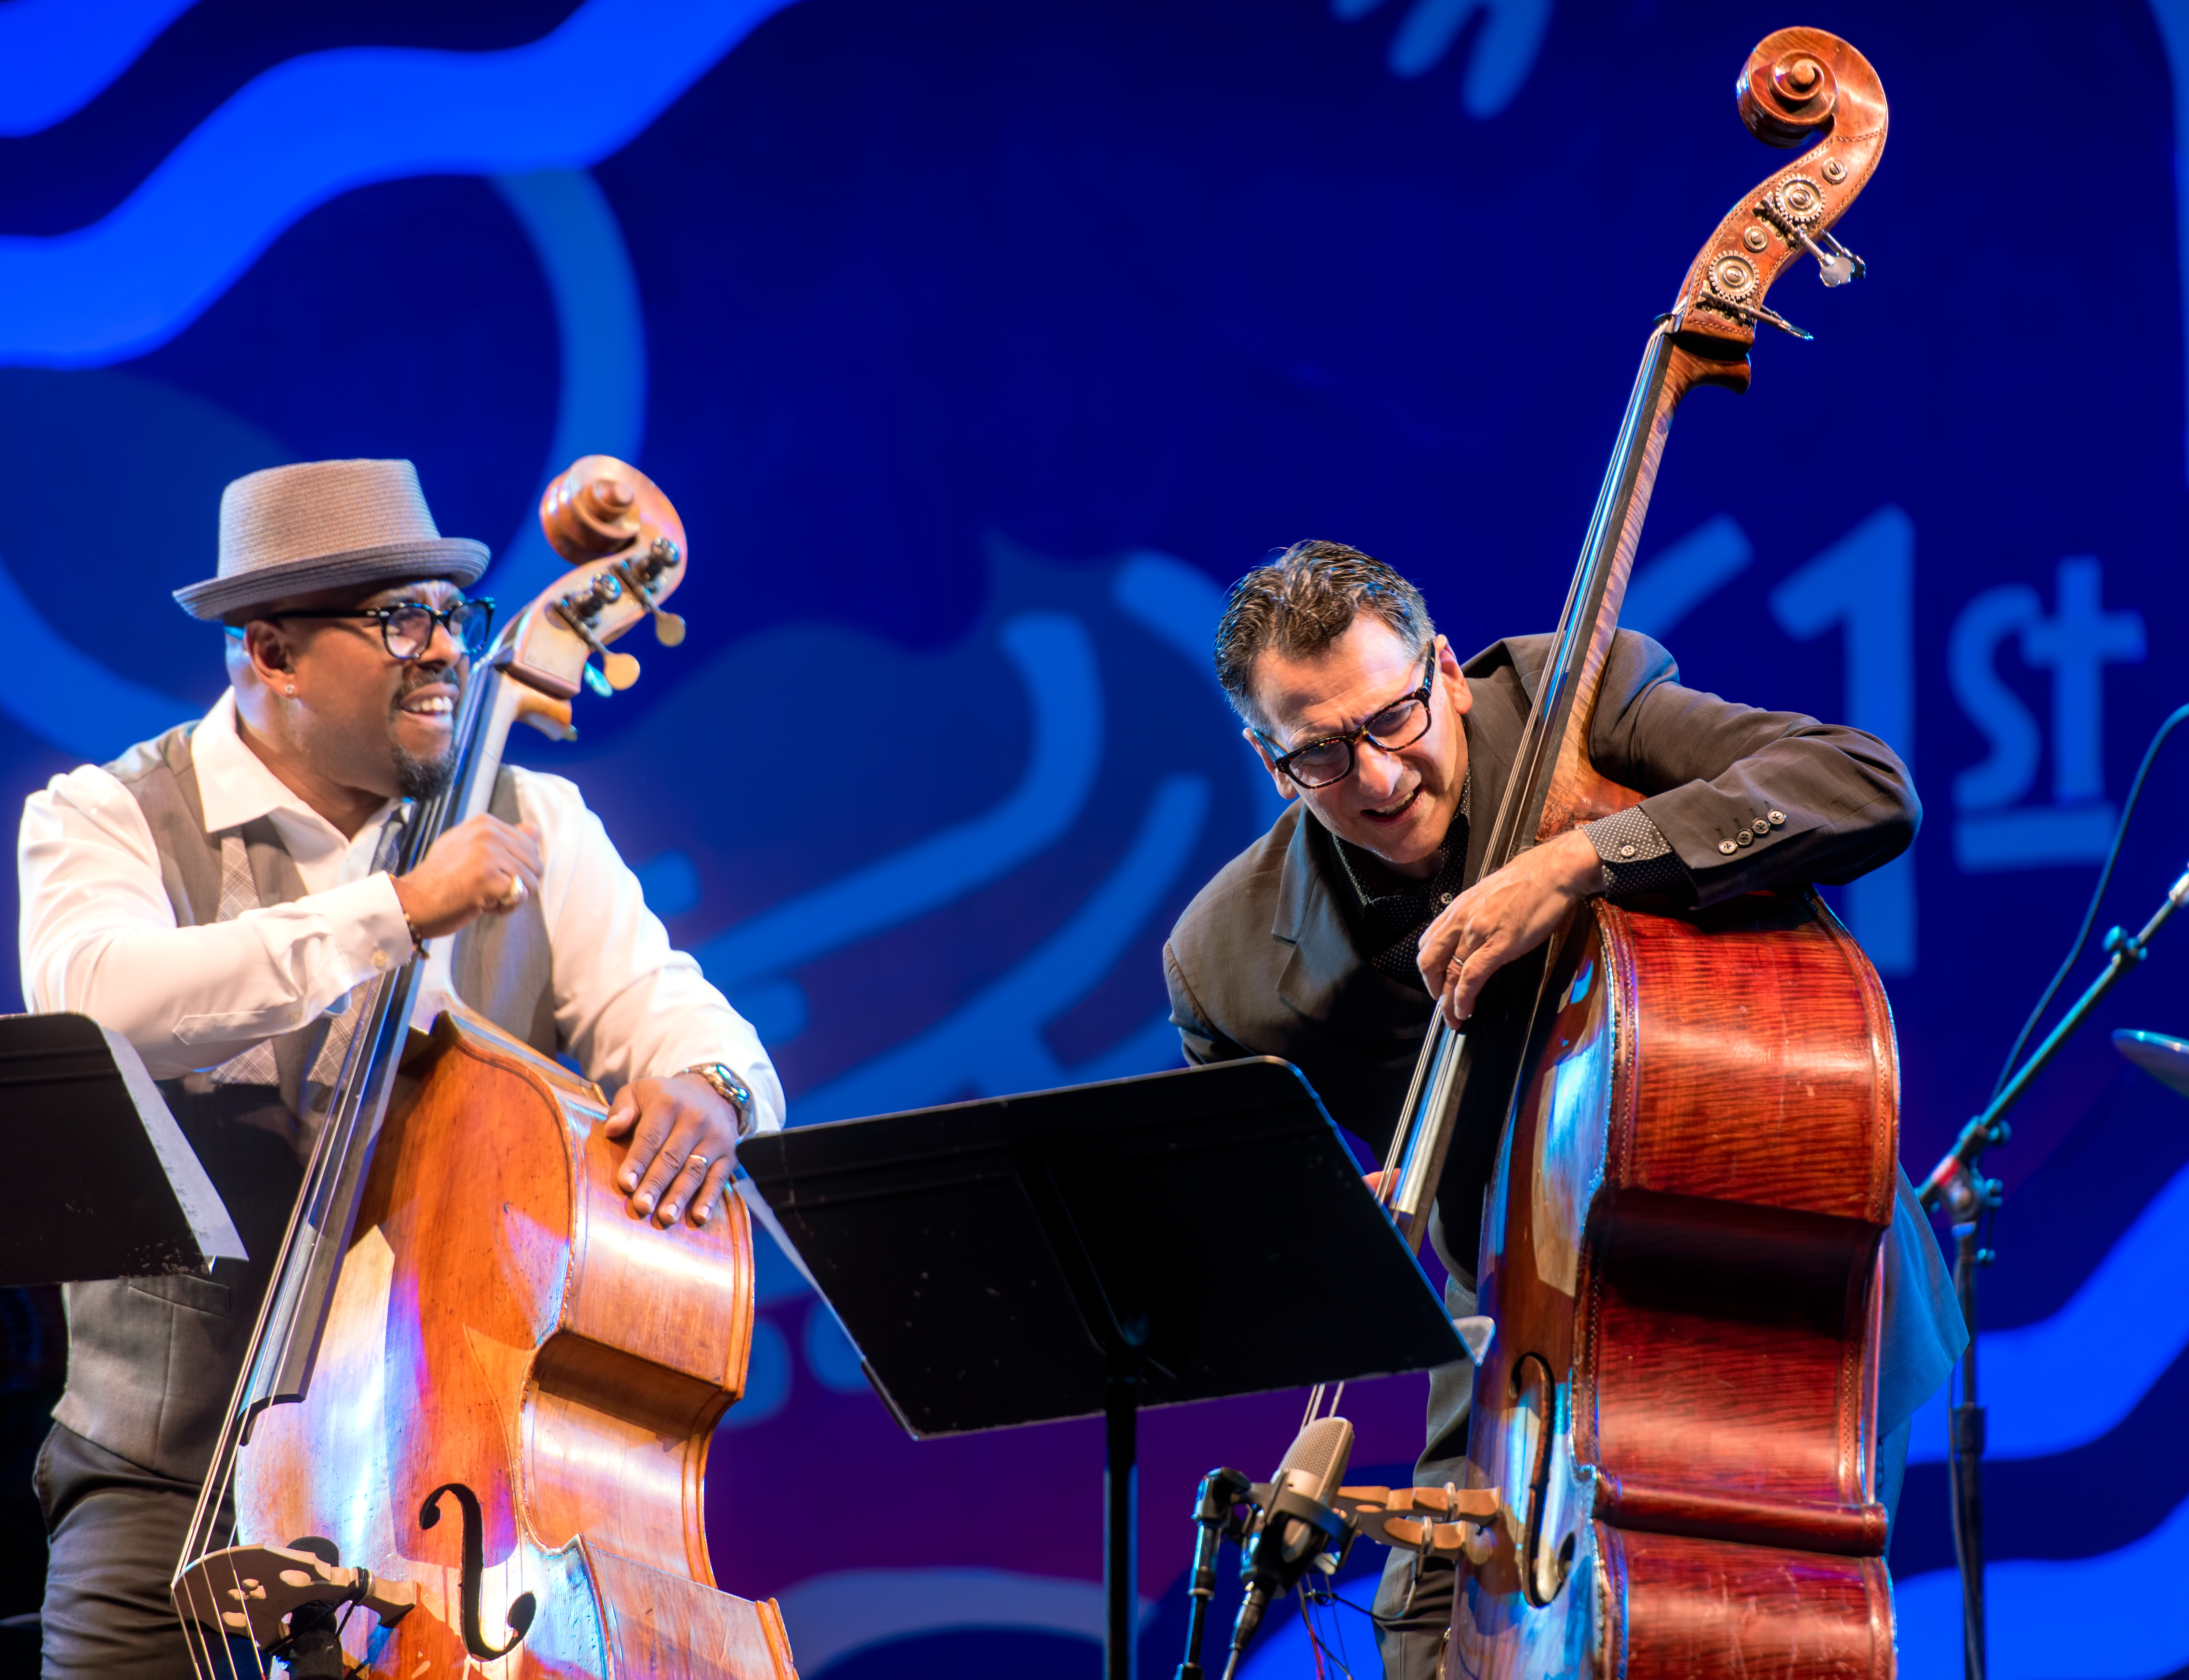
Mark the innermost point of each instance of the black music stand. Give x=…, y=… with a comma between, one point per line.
x=1181, y=1236
x=130, y=1199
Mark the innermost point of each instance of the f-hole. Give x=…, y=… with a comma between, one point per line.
x=1534, y=1428
x=520, y=1609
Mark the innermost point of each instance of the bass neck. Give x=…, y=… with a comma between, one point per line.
x=1554, y=786
x=292, y=1317
x=625, y=547
x=490, y=703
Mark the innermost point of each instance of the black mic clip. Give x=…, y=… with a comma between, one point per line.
x=1278, y=1554
x=1225, y=1510
x=1293, y=1534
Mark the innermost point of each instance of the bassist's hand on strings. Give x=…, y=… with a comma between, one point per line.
x=483, y=867
x=1505, y=915
x=683, y=1145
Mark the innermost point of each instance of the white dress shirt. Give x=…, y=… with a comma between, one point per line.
x=99, y=937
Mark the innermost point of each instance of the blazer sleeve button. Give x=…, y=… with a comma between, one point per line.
x=1726, y=846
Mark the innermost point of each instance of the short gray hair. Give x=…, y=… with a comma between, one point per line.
x=1301, y=603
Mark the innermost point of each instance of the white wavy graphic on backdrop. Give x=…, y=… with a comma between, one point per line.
x=326, y=122
x=2101, y=1618
x=322, y=124
x=831, y=1616
x=1054, y=658
x=2126, y=1307
x=57, y=56
x=994, y=1042
x=1502, y=54
x=601, y=409
x=83, y=706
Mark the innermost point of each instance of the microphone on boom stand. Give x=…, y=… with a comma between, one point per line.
x=1296, y=1527
x=2166, y=1060
x=1957, y=1185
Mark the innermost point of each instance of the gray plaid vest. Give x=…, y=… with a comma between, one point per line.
x=152, y=1360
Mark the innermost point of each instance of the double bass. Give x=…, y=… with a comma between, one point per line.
x=471, y=1428
x=1674, y=1437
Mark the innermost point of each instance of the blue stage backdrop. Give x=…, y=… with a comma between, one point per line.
x=979, y=345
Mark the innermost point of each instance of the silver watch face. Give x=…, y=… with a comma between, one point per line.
x=740, y=1093
x=727, y=1084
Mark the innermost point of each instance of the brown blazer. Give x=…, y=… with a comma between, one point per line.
x=1263, y=961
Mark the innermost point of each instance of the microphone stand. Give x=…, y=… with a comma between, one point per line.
x=1221, y=1490
x=1970, y=1199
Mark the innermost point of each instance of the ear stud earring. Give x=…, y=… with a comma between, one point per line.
x=292, y=691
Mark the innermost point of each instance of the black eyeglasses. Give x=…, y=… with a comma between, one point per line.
x=407, y=627
x=1400, y=724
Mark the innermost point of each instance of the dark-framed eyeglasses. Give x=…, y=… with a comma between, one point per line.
x=406, y=628
x=1400, y=724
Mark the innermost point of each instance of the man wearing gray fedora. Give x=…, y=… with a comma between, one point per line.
x=216, y=896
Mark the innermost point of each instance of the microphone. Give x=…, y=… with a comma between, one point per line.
x=1296, y=1524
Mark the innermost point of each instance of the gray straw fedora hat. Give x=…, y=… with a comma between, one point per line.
x=321, y=524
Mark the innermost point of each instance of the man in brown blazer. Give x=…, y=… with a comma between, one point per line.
x=1330, y=940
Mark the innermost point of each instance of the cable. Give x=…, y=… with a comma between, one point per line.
x=1313, y=1638
x=2097, y=897
x=1971, y=1238
x=1323, y=1595
x=1344, y=1658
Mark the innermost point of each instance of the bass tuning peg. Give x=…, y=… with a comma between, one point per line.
x=620, y=670
x=1838, y=265
x=667, y=627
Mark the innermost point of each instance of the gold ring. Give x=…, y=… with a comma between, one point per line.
x=698, y=1161
x=514, y=896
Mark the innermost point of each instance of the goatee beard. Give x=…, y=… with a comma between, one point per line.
x=424, y=778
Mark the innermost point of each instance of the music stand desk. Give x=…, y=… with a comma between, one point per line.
x=1185, y=1236
x=122, y=1194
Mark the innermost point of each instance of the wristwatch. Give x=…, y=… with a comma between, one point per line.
x=733, y=1090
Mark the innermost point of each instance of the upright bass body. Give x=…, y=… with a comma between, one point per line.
x=503, y=1322
x=471, y=1434
x=1681, y=1240
x=1682, y=1259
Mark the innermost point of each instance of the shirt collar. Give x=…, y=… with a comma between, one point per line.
x=234, y=786
x=1360, y=867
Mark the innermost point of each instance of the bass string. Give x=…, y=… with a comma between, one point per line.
x=200, y=1638
x=1315, y=1402
x=402, y=842
x=370, y=1056
x=258, y=1653
x=1588, y=597
x=194, y=1634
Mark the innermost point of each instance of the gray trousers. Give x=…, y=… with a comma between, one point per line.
x=1413, y=1611
x=115, y=1530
